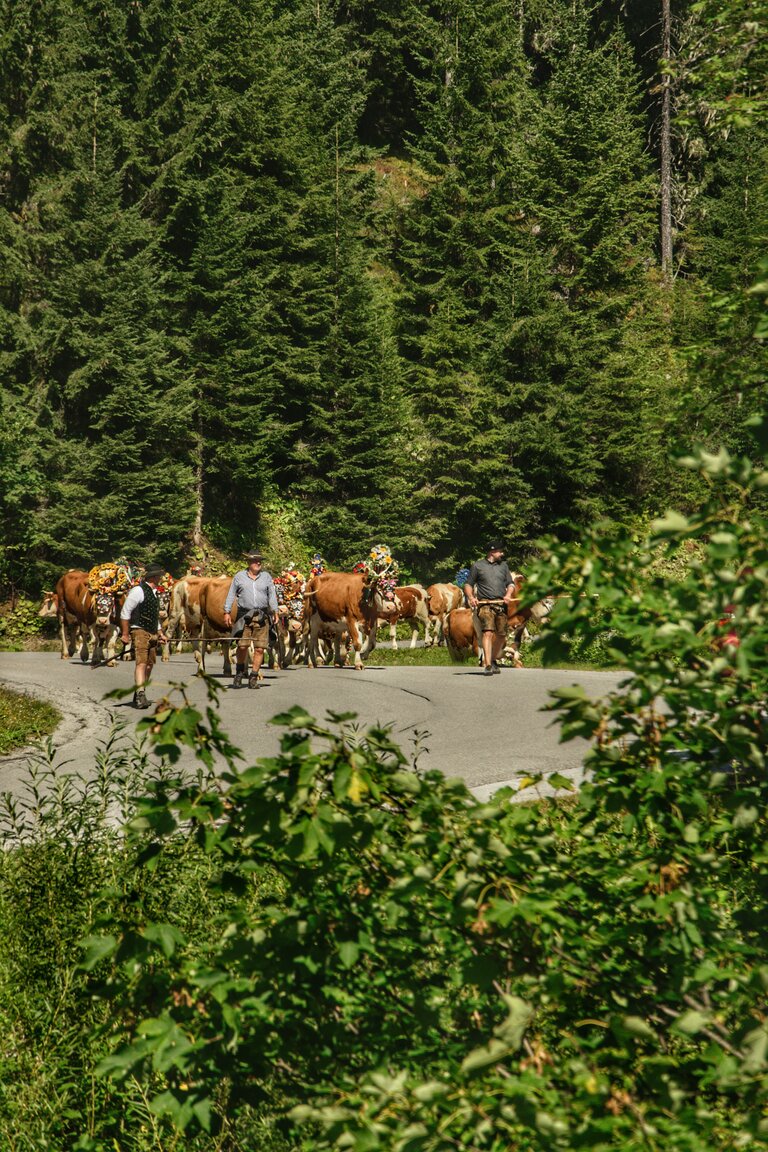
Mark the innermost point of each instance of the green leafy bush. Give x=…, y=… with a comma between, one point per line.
x=440, y=973
x=21, y=621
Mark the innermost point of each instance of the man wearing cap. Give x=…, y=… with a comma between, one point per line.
x=489, y=588
x=140, y=624
x=254, y=590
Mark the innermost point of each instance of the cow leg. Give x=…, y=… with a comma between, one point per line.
x=67, y=648
x=313, y=645
x=111, y=643
x=393, y=634
x=414, y=635
x=354, y=636
x=200, y=656
x=226, y=651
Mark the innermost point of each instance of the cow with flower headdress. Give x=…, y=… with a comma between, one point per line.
x=411, y=606
x=290, y=586
x=108, y=585
x=164, y=591
x=354, y=600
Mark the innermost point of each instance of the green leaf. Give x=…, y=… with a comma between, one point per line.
x=557, y=780
x=672, y=524
x=691, y=1022
x=349, y=952
x=97, y=948
x=168, y=937
x=480, y=1058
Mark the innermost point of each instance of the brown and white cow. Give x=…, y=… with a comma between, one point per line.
x=91, y=616
x=184, y=614
x=342, y=597
x=71, y=604
x=443, y=598
x=411, y=606
x=106, y=625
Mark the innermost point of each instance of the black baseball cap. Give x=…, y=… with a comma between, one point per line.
x=496, y=546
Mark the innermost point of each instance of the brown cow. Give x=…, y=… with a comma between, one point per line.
x=336, y=597
x=72, y=604
x=410, y=606
x=89, y=615
x=443, y=598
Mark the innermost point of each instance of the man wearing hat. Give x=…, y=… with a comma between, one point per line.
x=489, y=588
x=140, y=624
x=254, y=590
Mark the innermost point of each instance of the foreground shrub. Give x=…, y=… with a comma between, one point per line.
x=332, y=949
x=438, y=973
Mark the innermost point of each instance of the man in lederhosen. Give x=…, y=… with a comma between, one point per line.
x=254, y=590
x=140, y=625
x=489, y=588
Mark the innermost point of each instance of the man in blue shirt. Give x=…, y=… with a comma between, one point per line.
x=254, y=590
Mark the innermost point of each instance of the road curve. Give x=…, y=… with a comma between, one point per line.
x=486, y=730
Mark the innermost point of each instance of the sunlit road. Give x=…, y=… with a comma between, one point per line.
x=487, y=730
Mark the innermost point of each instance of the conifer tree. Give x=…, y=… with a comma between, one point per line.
x=592, y=442
x=462, y=249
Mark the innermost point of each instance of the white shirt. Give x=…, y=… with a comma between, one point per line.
x=132, y=601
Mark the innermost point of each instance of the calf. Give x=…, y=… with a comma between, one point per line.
x=411, y=605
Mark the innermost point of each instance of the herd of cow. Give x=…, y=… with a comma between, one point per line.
x=338, y=611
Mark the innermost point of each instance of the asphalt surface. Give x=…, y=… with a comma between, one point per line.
x=487, y=730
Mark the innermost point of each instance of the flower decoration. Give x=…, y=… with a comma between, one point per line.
x=115, y=576
x=383, y=570
x=462, y=576
x=289, y=587
x=166, y=584
x=318, y=565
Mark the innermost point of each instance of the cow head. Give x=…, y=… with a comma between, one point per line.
x=164, y=603
x=104, y=607
x=50, y=606
x=386, y=597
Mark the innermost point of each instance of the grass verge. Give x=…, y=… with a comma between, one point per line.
x=22, y=719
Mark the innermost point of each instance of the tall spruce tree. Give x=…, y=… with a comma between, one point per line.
x=462, y=253
x=592, y=441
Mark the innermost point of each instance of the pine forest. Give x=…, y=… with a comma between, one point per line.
x=336, y=272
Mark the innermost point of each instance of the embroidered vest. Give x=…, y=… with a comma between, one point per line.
x=147, y=614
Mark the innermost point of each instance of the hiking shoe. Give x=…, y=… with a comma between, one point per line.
x=495, y=669
x=238, y=680
x=488, y=670
x=253, y=680
x=140, y=700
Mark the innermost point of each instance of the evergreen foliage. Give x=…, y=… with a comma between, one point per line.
x=392, y=264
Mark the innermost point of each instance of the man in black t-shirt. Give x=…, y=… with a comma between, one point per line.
x=489, y=588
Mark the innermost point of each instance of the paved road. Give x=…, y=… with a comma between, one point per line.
x=488, y=730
